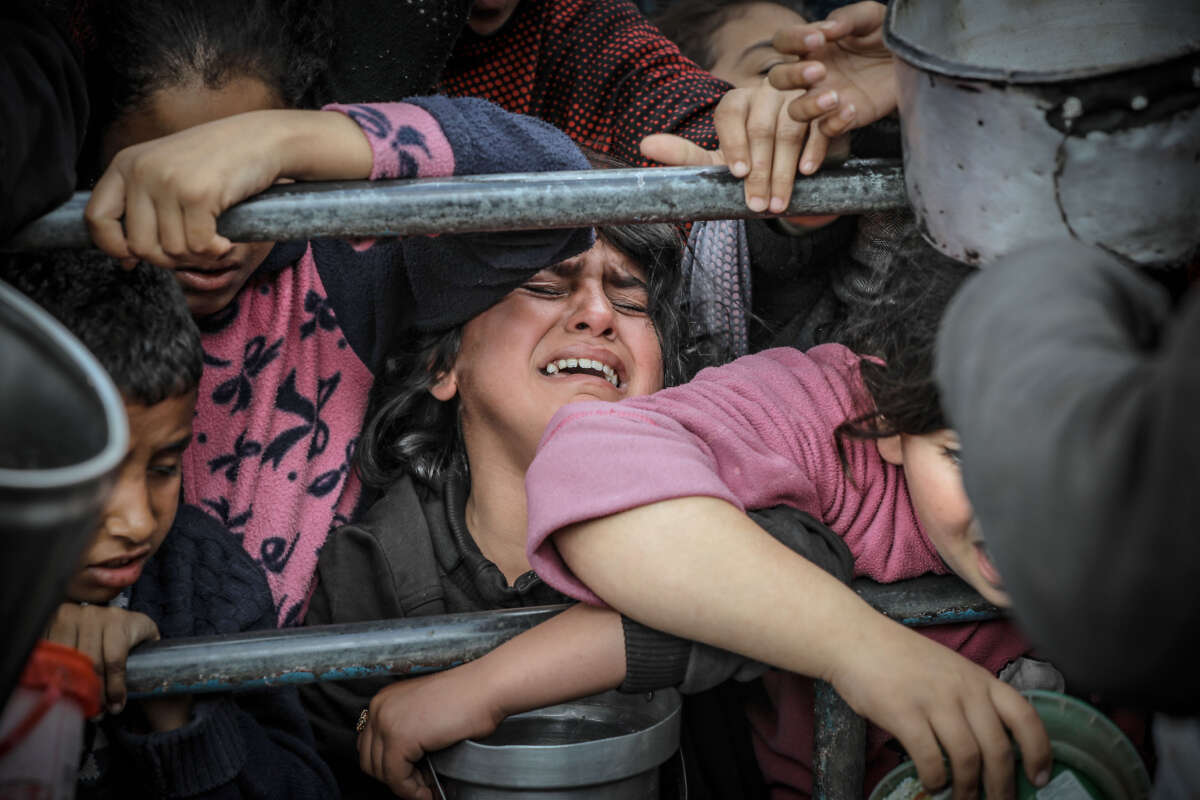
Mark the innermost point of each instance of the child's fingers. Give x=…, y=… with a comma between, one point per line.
x=811, y=106
x=665, y=148
x=995, y=748
x=761, y=127
x=730, y=120
x=200, y=227
x=797, y=75
x=922, y=747
x=958, y=742
x=114, y=649
x=814, y=151
x=789, y=139
x=859, y=20
x=838, y=124
x=171, y=235
x=805, y=41
x=1027, y=729
x=103, y=214
x=141, y=229
x=87, y=641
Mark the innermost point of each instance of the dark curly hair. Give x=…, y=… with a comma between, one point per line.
x=408, y=431
x=897, y=332
x=135, y=322
x=140, y=47
x=690, y=24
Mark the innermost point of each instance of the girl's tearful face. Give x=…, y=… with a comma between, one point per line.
x=933, y=474
x=576, y=331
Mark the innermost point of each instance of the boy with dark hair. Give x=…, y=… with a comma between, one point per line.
x=136, y=583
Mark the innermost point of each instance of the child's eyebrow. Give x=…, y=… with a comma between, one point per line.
x=764, y=44
x=177, y=446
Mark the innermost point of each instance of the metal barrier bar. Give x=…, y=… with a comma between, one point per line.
x=840, y=735
x=428, y=644
x=323, y=653
x=839, y=747
x=504, y=202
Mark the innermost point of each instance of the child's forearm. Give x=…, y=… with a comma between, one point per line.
x=664, y=564
x=317, y=145
x=573, y=654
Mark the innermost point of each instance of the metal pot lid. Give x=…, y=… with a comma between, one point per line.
x=1021, y=42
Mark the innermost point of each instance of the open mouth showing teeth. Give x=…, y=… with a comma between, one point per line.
x=582, y=366
x=117, y=563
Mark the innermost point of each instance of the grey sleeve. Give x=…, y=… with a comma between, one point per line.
x=655, y=659
x=1074, y=388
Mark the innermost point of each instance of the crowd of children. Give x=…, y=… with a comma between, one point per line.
x=340, y=431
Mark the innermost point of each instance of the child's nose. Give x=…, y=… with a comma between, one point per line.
x=128, y=515
x=592, y=313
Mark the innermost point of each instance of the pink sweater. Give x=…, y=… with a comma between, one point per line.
x=757, y=433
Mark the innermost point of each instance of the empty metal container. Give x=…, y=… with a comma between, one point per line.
x=63, y=435
x=610, y=745
x=1030, y=120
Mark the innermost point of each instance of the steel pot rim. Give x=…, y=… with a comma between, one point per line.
x=624, y=755
x=928, y=61
x=36, y=324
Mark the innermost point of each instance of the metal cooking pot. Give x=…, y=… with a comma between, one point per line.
x=1026, y=120
x=604, y=747
x=63, y=435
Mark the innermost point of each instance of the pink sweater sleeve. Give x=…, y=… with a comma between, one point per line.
x=406, y=140
x=756, y=433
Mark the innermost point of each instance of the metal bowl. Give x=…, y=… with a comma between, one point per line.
x=63, y=435
x=609, y=745
x=1030, y=120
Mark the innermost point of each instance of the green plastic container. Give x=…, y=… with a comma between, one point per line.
x=1093, y=759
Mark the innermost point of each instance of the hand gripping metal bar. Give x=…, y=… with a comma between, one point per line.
x=504, y=202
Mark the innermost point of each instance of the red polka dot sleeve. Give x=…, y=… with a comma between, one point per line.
x=597, y=69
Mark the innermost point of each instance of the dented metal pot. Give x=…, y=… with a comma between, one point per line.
x=1027, y=120
x=63, y=435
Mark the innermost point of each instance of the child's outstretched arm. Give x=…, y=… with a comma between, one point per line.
x=664, y=564
x=846, y=71
x=686, y=560
x=159, y=200
x=576, y=653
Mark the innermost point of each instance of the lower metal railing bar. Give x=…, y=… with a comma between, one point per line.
x=428, y=644
x=504, y=202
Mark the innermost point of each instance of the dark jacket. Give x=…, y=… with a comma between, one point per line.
x=412, y=555
x=1075, y=388
x=43, y=115
x=251, y=744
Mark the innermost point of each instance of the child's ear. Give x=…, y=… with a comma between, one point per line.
x=890, y=450
x=446, y=386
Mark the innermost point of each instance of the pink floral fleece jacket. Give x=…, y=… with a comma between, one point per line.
x=758, y=432
x=288, y=365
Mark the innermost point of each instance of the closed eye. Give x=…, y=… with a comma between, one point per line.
x=954, y=454
x=544, y=290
